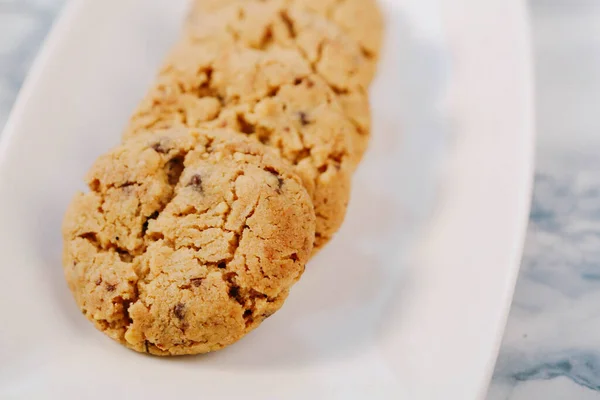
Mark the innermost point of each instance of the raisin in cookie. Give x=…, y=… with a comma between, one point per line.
x=186, y=241
x=273, y=97
x=333, y=54
x=360, y=19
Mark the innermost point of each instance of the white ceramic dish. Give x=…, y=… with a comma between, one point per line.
x=408, y=302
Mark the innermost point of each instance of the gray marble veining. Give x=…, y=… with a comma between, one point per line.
x=23, y=27
x=551, y=348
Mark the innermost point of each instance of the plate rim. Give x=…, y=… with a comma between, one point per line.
x=524, y=57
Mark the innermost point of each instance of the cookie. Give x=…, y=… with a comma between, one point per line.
x=333, y=54
x=300, y=123
x=198, y=81
x=186, y=241
x=273, y=97
x=359, y=19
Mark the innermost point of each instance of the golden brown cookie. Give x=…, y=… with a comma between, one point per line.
x=360, y=19
x=333, y=54
x=330, y=53
x=300, y=122
x=186, y=241
x=197, y=82
x=273, y=97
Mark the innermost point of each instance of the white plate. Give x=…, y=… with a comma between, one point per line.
x=410, y=299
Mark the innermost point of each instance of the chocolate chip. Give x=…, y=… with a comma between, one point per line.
x=196, y=183
x=124, y=255
x=160, y=147
x=234, y=291
x=98, y=281
x=196, y=281
x=222, y=265
x=174, y=168
x=179, y=310
x=144, y=227
x=303, y=118
x=294, y=257
x=110, y=287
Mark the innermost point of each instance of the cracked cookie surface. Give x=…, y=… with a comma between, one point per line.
x=332, y=53
x=272, y=97
x=197, y=82
x=360, y=19
x=186, y=241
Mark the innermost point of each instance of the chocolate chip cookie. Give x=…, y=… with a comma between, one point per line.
x=360, y=19
x=302, y=124
x=186, y=240
x=273, y=97
x=332, y=53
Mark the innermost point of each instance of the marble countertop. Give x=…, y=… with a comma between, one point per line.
x=550, y=349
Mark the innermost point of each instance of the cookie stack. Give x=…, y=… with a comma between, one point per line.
x=234, y=169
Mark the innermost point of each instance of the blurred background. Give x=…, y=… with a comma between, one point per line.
x=551, y=348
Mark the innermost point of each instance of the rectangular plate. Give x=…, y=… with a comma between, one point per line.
x=409, y=300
